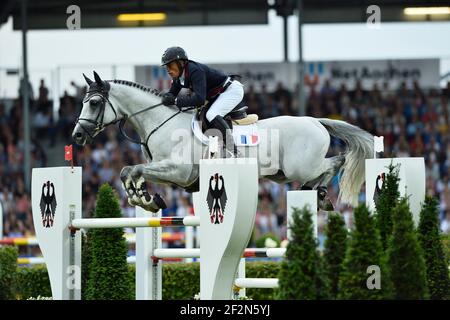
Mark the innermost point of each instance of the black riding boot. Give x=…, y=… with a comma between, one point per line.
x=227, y=137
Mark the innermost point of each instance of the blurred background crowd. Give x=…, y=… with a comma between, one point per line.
x=413, y=121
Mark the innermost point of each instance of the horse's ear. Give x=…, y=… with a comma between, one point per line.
x=88, y=81
x=97, y=79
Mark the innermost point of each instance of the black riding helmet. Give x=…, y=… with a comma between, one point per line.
x=174, y=54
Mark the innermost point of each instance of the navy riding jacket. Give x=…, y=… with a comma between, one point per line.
x=202, y=80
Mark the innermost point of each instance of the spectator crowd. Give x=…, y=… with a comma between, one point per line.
x=413, y=121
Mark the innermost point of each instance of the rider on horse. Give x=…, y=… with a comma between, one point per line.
x=222, y=92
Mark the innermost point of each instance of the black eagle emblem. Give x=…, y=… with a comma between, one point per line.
x=378, y=188
x=216, y=199
x=48, y=204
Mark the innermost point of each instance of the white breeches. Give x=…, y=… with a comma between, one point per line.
x=226, y=101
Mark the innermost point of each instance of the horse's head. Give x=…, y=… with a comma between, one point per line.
x=97, y=111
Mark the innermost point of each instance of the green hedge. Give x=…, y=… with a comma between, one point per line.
x=446, y=244
x=33, y=282
x=181, y=281
x=8, y=266
x=263, y=269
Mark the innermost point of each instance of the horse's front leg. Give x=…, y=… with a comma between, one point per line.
x=164, y=171
x=136, y=188
x=130, y=189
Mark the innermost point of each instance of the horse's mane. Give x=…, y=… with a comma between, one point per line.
x=143, y=88
x=138, y=86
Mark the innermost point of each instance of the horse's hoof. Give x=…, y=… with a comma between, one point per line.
x=325, y=204
x=135, y=199
x=159, y=201
x=150, y=208
x=132, y=202
x=322, y=193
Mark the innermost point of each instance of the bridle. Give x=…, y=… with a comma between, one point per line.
x=100, y=126
x=98, y=121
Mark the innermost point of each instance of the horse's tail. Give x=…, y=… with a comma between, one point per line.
x=359, y=147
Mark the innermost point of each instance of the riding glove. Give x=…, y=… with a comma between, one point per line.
x=168, y=99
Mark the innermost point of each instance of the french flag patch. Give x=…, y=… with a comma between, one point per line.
x=246, y=135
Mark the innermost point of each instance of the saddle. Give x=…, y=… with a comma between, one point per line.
x=237, y=116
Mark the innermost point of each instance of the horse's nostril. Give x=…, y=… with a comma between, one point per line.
x=78, y=135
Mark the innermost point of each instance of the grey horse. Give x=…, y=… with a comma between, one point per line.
x=290, y=149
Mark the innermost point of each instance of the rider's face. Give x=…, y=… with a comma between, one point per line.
x=173, y=70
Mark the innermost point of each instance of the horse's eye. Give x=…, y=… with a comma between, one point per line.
x=93, y=102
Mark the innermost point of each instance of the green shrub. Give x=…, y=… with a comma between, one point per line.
x=335, y=247
x=33, y=282
x=364, y=250
x=108, y=274
x=405, y=257
x=262, y=269
x=181, y=281
x=446, y=244
x=438, y=281
x=8, y=266
x=386, y=203
x=185, y=287
x=302, y=264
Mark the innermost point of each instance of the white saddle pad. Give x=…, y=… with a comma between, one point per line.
x=244, y=135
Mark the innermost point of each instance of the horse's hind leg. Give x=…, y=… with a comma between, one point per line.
x=335, y=163
x=320, y=183
x=323, y=201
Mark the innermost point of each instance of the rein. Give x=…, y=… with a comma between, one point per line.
x=145, y=144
